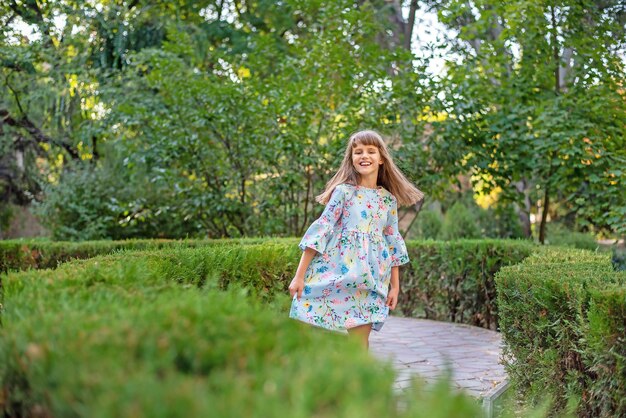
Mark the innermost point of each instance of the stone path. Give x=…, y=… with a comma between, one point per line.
x=425, y=348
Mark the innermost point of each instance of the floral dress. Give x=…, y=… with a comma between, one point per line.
x=357, y=242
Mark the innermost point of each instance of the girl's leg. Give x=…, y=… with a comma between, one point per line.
x=363, y=333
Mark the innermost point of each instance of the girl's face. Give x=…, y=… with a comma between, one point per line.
x=366, y=159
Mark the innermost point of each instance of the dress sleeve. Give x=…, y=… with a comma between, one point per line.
x=397, y=247
x=320, y=231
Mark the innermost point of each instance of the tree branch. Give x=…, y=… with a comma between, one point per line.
x=408, y=35
x=17, y=99
x=36, y=133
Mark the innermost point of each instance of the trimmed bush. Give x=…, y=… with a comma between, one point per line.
x=454, y=280
x=180, y=323
x=446, y=280
x=428, y=224
x=563, y=316
x=607, y=350
x=22, y=255
x=150, y=334
x=559, y=235
x=459, y=222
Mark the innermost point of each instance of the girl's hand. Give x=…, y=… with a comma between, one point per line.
x=296, y=286
x=392, y=298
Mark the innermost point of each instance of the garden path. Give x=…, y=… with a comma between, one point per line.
x=426, y=348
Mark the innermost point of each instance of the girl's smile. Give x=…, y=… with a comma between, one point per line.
x=366, y=160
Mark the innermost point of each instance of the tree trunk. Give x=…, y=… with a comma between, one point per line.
x=408, y=33
x=523, y=212
x=546, y=204
x=401, y=29
x=555, y=52
x=544, y=214
x=309, y=186
x=557, y=89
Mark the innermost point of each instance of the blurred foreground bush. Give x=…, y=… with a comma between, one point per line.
x=174, y=333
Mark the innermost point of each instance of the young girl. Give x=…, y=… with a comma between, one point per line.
x=352, y=252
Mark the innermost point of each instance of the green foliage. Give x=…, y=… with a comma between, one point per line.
x=562, y=316
x=78, y=208
x=500, y=221
x=560, y=235
x=119, y=334
x=428, y=224
x=535, y=104
x=6, y=214
x=465, y=219
x=459, y=222
x=35, y=254
x=225, y=119
x=454, y=280
x=92, y=202
x=221, y=119
x=240, y=140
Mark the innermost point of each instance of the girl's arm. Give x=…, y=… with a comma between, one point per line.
x=297, y=284
x=318, y=236
x=394, y=288
x=398, y=253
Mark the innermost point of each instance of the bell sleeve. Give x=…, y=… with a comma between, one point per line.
x=320, y=231
x=395, y=243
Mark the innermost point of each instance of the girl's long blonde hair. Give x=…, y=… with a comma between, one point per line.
x=389, y=175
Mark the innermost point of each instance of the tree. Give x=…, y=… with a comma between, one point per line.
x=535, y=100
x=218, y=112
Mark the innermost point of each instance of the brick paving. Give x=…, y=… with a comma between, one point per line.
x=426, y=348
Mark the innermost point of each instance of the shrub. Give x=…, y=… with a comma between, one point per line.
x=459, y=222
x=6, y=214
x=25, y=254
x=427, y=225
x=77, y=208
x=563, y=316
x=500, y=221
x=92, y=202
x=181, y=322
x=446, y=280
x=149, y=334
x=454, y=280
x=559, y=235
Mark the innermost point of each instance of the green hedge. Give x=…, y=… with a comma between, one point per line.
x=560, y=235
x=454, y=280
x=22, y=255
x=150, y=333
x=446, y=280
x=561, y=311
x=563, y=319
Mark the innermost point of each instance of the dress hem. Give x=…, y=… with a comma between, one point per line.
x=376, y=326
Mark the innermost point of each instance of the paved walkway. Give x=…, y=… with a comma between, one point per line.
x=426, y=348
